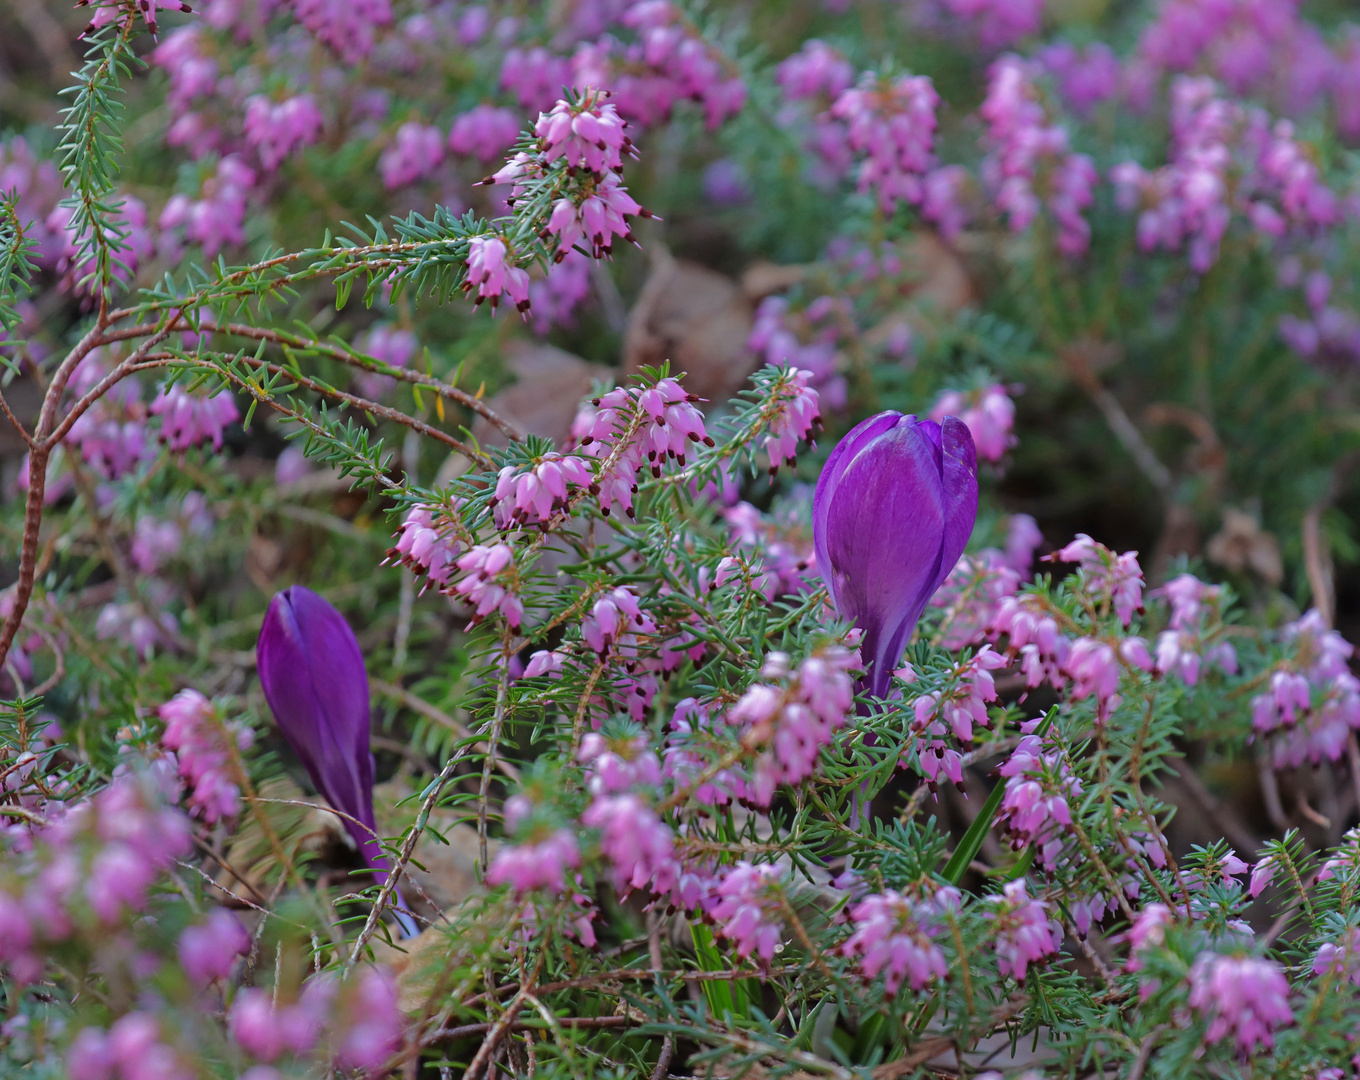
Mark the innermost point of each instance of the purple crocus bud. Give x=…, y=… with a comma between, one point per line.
x=314, y=680
x=893, y=511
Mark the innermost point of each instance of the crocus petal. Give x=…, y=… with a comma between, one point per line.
x=314, y=680
x=893, y=510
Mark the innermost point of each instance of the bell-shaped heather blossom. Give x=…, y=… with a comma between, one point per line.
x=347, y=27
x=367, y=1022
x=1024, y=932
x=535, y=76
x=815, y=71
x=747, y=909
x=797, y=419
x=1034, y=810
x=596, y=219
x=131, y=1048
x=894, y=937
x=489, y=583
x=947, y=717
x=198, y=738
x=216, y=218
x=892, y=122
x=541, y=864
x=208, y=951
x=617, y=764
x=615, y=618
x=1118, y=579
x=989, y=414
x=190, y=419
x=275, y=129
x=428, y=544
x=491, y=274
x=266, y=1029
x=588, y=134
x=415, y=152
x=1094, y=669
x=639, y=845
x=484, y=132
x=793, y=722
x=1340, y=959
x=532, y=495
x=1085, y=77
x=1245, y=997
x=894, y=508
x=313, y=677
x=1310, y=707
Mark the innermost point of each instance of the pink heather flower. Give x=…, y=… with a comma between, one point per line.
x=1023, y=146
x=815, y=71
x=1085, y=77
x=1024, y=932
x=108, y=11
x=208, y=951
x=197, y=737
x=1000, y=22
x=1189, y=599
x=190, y=419
x=484, y=132
x=1148, y=931
x=893, y=124
x=669, y=422
x=1245, y=997
x=490, y=275
x=1035, y=634
x=541, y=865
x=944, y=199
x=971, y=595
x=544, y=662
x=192, y=74
x=489, y=584
x=1034, y=810
x=615, y=765
x=587, y=135
x=794, y=722
x=893, y=936
x=391, y=344
x=276, y=129
x=672, y=63
x=1094, y=668
x=775, y=338
x=265, y=1031
x=535, y=76
x=596, y=220
x=1118, y=578
x=636, y=841
x=535, y=494
x=1261, y=875
x=428, y=544
x=1340, y=959
x=368, y=1027
x=216, y=218
x=989, y=414
x=1310, y=708
x=954, y=712
x=747, y=909
x=415, y=151
x=347, y=27
x=555, y=297
x=616, y=619
x=1023, y=538
x=797, y=420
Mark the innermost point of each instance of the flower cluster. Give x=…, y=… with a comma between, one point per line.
x=892, y=123
x=1312, y=703
x=630, y=428
x=197, y=737
x=1030, y=161
x=747, y=909
x=954, y=711
x=1245, y=997
x=1025, y=934
x=490, y=583
x=1035, y=810
x=989, y=414
x=894, y=937
x=535, y=494
x=794, y=718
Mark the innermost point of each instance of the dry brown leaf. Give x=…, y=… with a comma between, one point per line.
x=1241, y=544
x=697, y=319
x=543, y=401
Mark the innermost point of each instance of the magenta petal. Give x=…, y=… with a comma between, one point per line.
x=313, y=677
